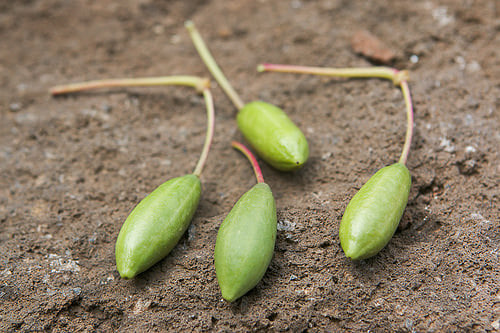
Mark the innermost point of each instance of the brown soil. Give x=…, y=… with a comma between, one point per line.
x=72, y=168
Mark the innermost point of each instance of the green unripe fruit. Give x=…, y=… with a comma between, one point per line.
x=372, y=216
x=156, y=225
x=273, y=135
x=245, y=242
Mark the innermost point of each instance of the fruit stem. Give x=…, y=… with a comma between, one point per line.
x=399, y=78
x=251, y=158
x=183, y=80
x=409, y=117
x=209, y=102
x=212, y=66
x=200, y=84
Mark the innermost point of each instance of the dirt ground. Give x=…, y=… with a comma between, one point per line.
x=72, y=168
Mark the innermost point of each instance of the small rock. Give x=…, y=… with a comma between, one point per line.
x=468, y=119
x=141, y=306
x=468, y=167
x=470, y=150
x=473, y=66
x=14, y=107
x=191, y=232
x=175, y=39
x=158, y=29
x=326, y=156
x=496, y=324
x=285, y=225
x=446, y=145
x=441, y=15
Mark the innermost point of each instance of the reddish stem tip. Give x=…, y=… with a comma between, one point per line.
x=253, y=161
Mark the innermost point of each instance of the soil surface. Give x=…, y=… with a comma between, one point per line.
x=72, y=168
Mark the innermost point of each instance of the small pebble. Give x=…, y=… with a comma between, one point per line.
x=191, y=232
x=326, y=156
x=158, y=29
x=14, y=107
x=175, y=39
x=470, y=150
x=285, y=225
x=446, y=145
x=141, y=306
x=473, y=66
x=468, y=167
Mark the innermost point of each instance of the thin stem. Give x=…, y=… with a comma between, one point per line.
x=212, y=65
x=369, y=72
x=251, y=158
x=184, y=80
x=200, y=84
x=409, y=117
x=399, y=78
x=209, y=102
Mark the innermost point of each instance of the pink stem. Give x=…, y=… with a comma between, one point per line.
x=251, y=158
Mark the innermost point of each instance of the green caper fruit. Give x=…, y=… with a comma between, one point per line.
x=373, y=214
x=245, y=242
x=273, y=135
x=156, y=225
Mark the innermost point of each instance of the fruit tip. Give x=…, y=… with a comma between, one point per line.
x=126, y=276
x=189, y=24
x=261, y=68
x=127, y=273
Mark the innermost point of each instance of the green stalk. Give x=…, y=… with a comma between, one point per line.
x=200, y=84
x=212, y=66
x=210, y=132
x=409, y=117
x=399, y=78
x=251, y=158
x=182, y=80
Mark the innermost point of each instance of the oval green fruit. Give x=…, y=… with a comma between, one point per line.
x=245, y=242
x=156, y=225
x=273, y=135
x=373, y=214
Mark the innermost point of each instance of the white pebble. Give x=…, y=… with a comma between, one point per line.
x=285, y=225
x=470, y=149
x=446, y=145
